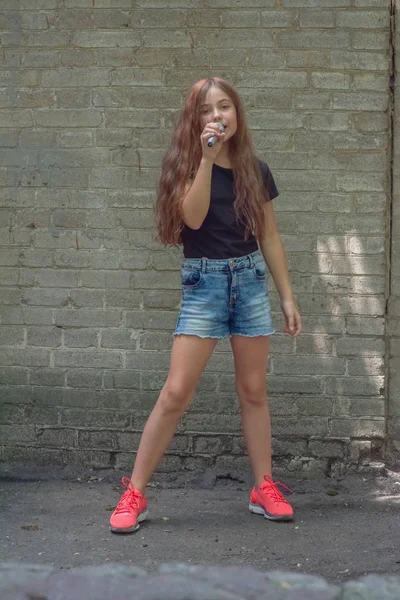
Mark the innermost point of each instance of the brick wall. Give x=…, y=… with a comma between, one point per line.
x=88, y=94
x=393, y=312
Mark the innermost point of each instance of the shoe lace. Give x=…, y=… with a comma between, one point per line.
x=272, y=490
x=130, y=499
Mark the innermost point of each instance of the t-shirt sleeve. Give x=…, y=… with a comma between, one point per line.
x=269, y=181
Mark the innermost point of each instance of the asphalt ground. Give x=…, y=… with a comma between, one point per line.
x=343, y=528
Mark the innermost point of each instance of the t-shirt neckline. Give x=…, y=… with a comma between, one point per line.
x=223, y=168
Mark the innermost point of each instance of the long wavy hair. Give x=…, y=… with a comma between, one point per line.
x=181, y=162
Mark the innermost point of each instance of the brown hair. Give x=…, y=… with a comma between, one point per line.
x=183, y=158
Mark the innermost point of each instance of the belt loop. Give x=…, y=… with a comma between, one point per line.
x=203, y=264
x=251, y=257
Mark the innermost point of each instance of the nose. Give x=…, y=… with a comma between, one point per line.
x=217, y=115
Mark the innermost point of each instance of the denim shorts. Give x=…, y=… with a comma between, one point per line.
x=226, y=297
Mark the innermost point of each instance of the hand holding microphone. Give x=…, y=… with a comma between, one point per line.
x=211, y=139
x=214, y=138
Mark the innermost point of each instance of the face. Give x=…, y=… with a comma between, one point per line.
x=218, y=107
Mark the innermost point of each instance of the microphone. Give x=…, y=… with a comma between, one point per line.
x=213, y=139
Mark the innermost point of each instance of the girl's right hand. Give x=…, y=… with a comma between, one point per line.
x=209, y=131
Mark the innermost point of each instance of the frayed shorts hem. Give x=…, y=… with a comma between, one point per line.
x=221, y=337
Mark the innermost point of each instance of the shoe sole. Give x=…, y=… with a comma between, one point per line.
x=141, y=517
x=260, y=510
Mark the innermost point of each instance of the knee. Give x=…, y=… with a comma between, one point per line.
x=252, y=393
x=174, y=398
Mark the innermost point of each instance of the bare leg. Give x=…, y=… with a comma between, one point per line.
x=251, y=354
x=189, y=357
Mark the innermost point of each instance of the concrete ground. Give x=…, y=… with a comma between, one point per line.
x=344, y=528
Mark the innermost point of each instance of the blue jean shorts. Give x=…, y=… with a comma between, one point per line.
x=226, y=297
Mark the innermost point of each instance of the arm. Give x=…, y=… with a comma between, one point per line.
x=196, y=203
x=274, y=255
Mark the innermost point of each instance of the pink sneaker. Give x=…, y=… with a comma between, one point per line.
x=268, y=501
x=131, y=510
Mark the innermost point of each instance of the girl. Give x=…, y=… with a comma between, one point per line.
x=217, y=202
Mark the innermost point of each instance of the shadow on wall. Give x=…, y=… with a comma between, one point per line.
x=327, y=387
x=337, y=402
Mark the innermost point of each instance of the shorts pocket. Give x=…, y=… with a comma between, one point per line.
x=259, y=271
x=190, y=277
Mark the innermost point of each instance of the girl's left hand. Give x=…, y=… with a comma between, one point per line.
x=292, y=317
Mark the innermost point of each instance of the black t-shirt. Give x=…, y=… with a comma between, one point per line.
x=221, y=235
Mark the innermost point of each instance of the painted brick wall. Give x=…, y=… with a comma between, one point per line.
x=393, y=307
x=88, y=94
